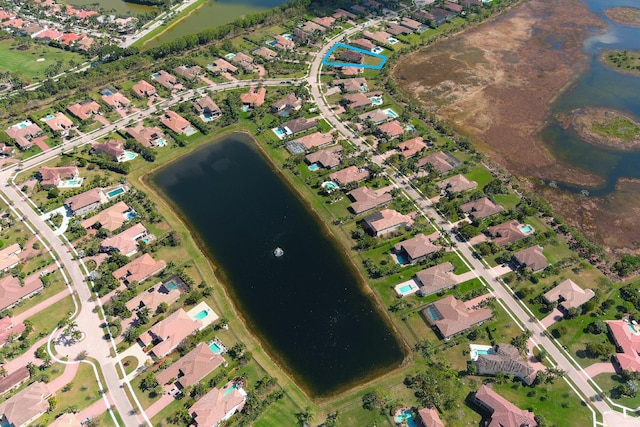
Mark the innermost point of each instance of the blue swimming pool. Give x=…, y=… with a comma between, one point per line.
x=230, y=55
x=433, y=313
x=161, y=142
x=330, y=186
x=406, y=288
x=390, y=112
x=377, y=49
x=230, y=389
x=280, y=133
x=314, y=167
x=271, y=43
x=130, y=215
x=484, y=352
x=376, y=100
x=405, y=415
x=113, y=193
x=107, y=92
x=155, y=75
x=526, y=229
x=129, y=155
x=201, y=315
x=402, y=259
x=48, y=117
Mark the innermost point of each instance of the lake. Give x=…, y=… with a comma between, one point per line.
x=308, y=307
x=118, y=6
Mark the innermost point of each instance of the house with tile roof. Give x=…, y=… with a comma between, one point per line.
x=85, y=109
x=502, y=413
x=481, y=208
x=243, y=60
x=352, y=85
x=287, y=103
x=412, y=24
x=67, y=419
x=139, y=269
x=429, y=417
x=348, y=175
x=205, y=107
x=253, y=98
x=147, y=136
x=86, y=202
x=507, y=232
x=440, y=161
x=218, y=405
x=177, y=123
x=418, y=247
x=435, y=279
x=387, y=221
x=58, y=123
x=14, y=379
x=52, y=177
x=189, y=72
x=25, y=134
x=265, y=53
x=357, y=100
x=111, y=218
x=222, y=66
x=314, y=140
x=328, y=158
x=9, y=257
x=26, y=406
x=116, y=100
x=379, y=36
x=191, y=368
x=626, y=337
x=283, y=43
x=398, y=30
x=362, y=43
x=299, y=125
x=412, y=147
x=154, y=296
x=9, y=327
x=569, y=295
x=365, y=198
x=326, y=21
x=169, y=332
x=48, y=35
x=168, y=81
x=507, y=359
x=144, y=89
x=530, y=258
x=112, y=148
x=341, y=13
x=457, y=184
x=12, y=291
x=450, y=316
x=125, y=242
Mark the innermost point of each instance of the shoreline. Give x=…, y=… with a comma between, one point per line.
x=617, y=14
x=173, y=24
x=582, y=118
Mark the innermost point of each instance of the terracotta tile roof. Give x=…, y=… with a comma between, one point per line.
x=419, y=245
x=348, y=175
x=68, y=38
x=441, y=161
x=68, y=419
x=59, y=122
x=627, y=338
x=362, y=43
x=220, y=65
x=26, y=406
x=328, y=158
x=412, y=147
x=375, y=116
x=507, y=359
x=391, y=129
x=206, y=105
x=355, y=84
x=379, y=36
x=189, y=72
x=144, y=88
x=125, y=242
x=255, y=96
x=481, y=208
x=175, y=122
x=436, y=278
x=451, y=316
x=116, y=100
x=313, y=26
x=83, y=110
x=170, y=332
x=456, y=184
x=386, y=221
x=358, y=100
x=243, y=60
x=283, y=43
x=89, y=197
x=154, y=296
x=365, y=198
x=288, y=101
x=265, y=52
x=341, y=13
x=430, y=418
x=139, y=269
x=111, y=147
x=315, y=139
x=454, y=7
x=507, y=232
x=51, y=177
x=326, y=21
x=22, y=133
x=9, y=327
x=9, y=257
x=411, y=24
x=531, y=258
x=569, y=294
x=503, y=413
x=111, y=218
x=397, y=30
x=147, y=136
x=49, y=34
x=192, y=367
x=167, y=80
x=14, y=379
x=218, y=405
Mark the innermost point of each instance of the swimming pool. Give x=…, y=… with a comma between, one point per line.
x=69, y=183
x=245, y=108
x=390, y=112
x=329, y=186
x=433, y=313
x=376, y=100
x=405, y=415
x=201, y=315
x=377, y=49
x=526, y=229
x=392, y=40
x=288, y=36
x=406, y=288
x=172, y=285
x=190, y=131
x=216, y=346
x=314, y=167
x=230, y=55
x=364, y=88
x=161, y=142
x=410, y=127
x=271, y=43
x=129, y=155
x=113, y=193
x=48, y=117
x=155, y=75
x=402, y=260
x=130, y=215
x=280, y=132
x=106, y=92
x=230, y=390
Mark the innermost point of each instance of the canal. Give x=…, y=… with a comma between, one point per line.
x=308, y=307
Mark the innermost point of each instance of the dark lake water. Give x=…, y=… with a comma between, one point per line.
x=308, y=306
x=599, y=86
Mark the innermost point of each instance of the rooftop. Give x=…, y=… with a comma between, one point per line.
x=569, y=295
x=451, y=316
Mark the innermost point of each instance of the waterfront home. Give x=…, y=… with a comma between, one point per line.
x=439, y=161
x=349, y=71
x=507, y=232
x=116, y=100
x=283, y=43
x=530, y=258
x=365, y=198
x=429, y=418
x=390, y=130
x=481, y=208
x=85, y=109
x=177, y=123
x=168, y=81
x=86, y=202
x=626, y=337
x=218, y=405
x=299, y=125
x=9, y=257
x=14, y=379
x=287, y=103
x=435, y=279
x=52, y=177
x=507, y=359
x=189, y=72
x=139, y=269
x=363, y=44
x=144, y=89
x=190, y=368
x=349, y=56
x=206, y=108
x=111, y=218
x=112, y=148
x=412, y=147
x=254, y=98
x=25, y=134
x=387, y=221
x=125, y=242
x=313, y=140
x=154, y=296
x=442, y=15
x=328, y=158
x=326, y=21
x=411, y=24
x=569, y=295
x=418, y=247
x=12, y=291
x=23, y=408
x=243, y=60
x=376, y=116
x=311, y=27
x=265, y=53
x=450, y=316
x=348, y=175
x=501, y=411
x=222, y=66
x=453, y=7
x=425, y=17
x=357, y=100
x=379, y=36
x=300, y=36
x=8, y=328
x=85, y=44
x=457, y=184
x=147, y=136
x=169, y=332
x=398, y=30
x=353, y=85
x=343, y=14
x=471, y=3
x=58, y=123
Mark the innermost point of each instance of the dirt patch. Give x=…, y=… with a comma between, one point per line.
x=606, y=128
x=624, y=15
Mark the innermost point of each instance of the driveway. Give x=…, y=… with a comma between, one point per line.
x=552, y=318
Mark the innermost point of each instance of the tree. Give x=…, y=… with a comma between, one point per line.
x=372, y=400
x=597, y=350
x=305, y=416
x=597, y=327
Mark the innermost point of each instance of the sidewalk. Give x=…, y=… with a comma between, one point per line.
x=67, y=376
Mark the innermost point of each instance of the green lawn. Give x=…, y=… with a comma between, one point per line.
x=609, y=382
x=82, y=393
x=24, y=62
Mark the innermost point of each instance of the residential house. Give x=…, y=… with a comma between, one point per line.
x=29, y=29
x=326, y=21
x=25, y=134
x=412, y=147
x=349, y=56
x=116, y=100
x=449, y=316
x=348, y=175
x=125, y=242
x=6, y=150
x=265, y=53
x=502, y=412
x=390, y=130
x=411, y=24
x=254, y=98
x=418, y=247
x=363, y=44
x=168, y=81
x=86, y=202
x=111, y=218
x=14, y=379
x=429, y=417
x=387, y=221
x=353, y=85
x=85, y=109
x=144, y=89
x=283, y=43
x=569, y=295
x=147, y=136
x=435, y=279
x=398, y=30
x=222, y=66
x=343, y=14
x=52, y=177
x=9, y=328
x=457, y=184
x=9, y=257
x=189, y=72
x=139, y=269
x=299, y=125
x=626, y=336
x=379, y=36
x=112, y=148
x=300, y=36
x=177, y=123
x=58, y=123
x=441, y=15
x=154, y=296
x=67, y=419
x=328, y=158
x=440, y=161
x=26, y=406
x=376, y=116
x=205, y=107
x=288, y=103
x=358, y=9
x=481, y=208
x=314, y=140
x=218, y=405
x=357, y=100
x=507, y=232
x=12, y=291
x=85, y=44
x=48, y=35
x=69, y=38
x=243, y=60
x=453, y=7
x=167, y=333
x=530, y=258
x=310, y=27
x=507, y=359
x=365, y=198
x=191, y=368
x=471, y=3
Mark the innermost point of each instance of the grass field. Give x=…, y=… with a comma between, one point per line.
x=25, y=64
